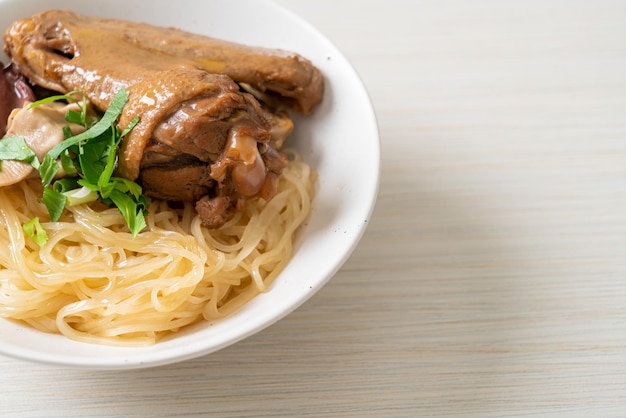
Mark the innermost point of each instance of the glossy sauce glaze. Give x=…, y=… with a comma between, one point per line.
x=212, y=113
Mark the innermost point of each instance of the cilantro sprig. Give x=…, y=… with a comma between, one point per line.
x=89, y=160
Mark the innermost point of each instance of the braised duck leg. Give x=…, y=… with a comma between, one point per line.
x=201, y=138
x=54, y=48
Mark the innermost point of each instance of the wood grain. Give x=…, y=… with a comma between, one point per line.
x=492, y=278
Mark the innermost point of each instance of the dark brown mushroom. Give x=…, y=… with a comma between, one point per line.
x=14, y=91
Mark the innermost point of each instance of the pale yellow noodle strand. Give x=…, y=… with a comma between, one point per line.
x=94, y=282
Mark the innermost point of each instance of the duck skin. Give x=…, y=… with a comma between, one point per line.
x=200, y=138
x=51, y=47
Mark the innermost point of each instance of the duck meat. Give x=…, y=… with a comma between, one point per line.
x=55, y=47
x=213, y=114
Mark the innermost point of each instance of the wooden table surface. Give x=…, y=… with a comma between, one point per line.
x=492, y=278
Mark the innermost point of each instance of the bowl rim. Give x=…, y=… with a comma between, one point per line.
x=196, y=347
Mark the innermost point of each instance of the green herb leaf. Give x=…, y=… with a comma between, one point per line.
x=55, y=202
x=95, y=155
x=131, y=211
x=68, y=164
x=109, y=118
x=72, y=116
x=35, y=231
x=85, y=183
x=105, y=176
x=127, y=186
x=16, y=148
x=57, y=98
x=91, y=156
x=48, y=169
x=130, y=126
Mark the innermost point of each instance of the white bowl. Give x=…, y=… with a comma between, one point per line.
x=340, y=140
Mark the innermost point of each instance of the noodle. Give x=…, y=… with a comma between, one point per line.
x=93, y=282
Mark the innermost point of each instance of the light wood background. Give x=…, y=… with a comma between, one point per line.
x=492, y=278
